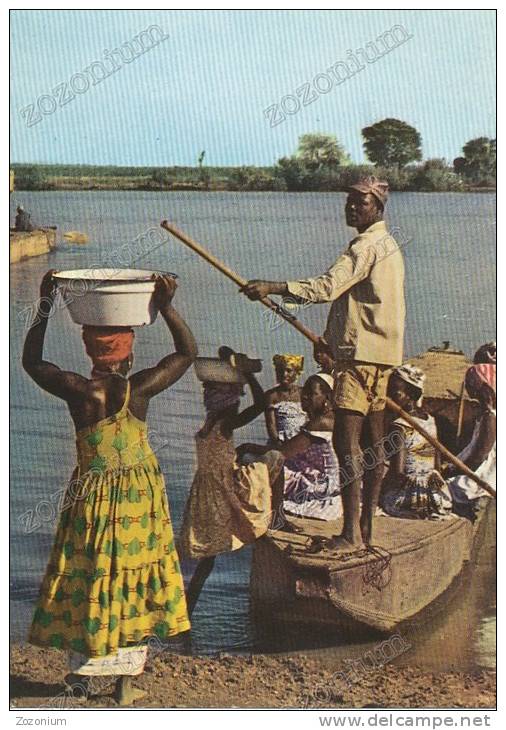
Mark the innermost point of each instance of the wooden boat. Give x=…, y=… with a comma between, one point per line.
x=414, y=562
x=24, y=245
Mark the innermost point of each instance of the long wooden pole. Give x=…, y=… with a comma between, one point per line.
x=267, y=302
x=462, y=403
x=439, y=446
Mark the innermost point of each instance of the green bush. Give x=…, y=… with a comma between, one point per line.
x=29, y=178
x=436, y=177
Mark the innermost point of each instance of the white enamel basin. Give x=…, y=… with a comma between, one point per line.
x=109, y=297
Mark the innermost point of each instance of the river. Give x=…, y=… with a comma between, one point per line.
x=449, y=246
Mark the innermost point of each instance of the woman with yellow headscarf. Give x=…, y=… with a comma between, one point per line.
x=284, y=416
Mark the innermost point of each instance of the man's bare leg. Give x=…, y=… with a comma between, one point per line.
x=346, y=439
x=373, y=476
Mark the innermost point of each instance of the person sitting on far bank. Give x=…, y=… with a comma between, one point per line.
x=284, y=415
x=480, y=453
x=362, y=341
x=23, y=222
x=413, y=486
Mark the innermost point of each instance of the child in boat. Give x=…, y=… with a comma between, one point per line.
x=230, y=505
x=480, y=453
x=311, y=471
x=413, y=486
x=284, y=415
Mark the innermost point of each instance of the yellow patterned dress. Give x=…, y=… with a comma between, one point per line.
x=113, y=577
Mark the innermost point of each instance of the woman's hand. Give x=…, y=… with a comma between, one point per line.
x=248, y=448
x=435, y=480
x=47, y=286
x=165, y=288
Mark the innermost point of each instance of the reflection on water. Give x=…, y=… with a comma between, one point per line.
x=450, y=270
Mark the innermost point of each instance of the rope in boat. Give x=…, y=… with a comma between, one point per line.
x=378, y=573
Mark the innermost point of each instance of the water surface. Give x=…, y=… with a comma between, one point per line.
x=449, y=247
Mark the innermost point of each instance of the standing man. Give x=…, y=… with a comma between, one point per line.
x=362, y=341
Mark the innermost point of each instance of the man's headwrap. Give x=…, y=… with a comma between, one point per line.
x=371, y=184
x=295, y=361
x=108, y=345
x=219, y=396
x=481, y=376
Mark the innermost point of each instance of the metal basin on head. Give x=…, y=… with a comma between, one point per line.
x=109, y=297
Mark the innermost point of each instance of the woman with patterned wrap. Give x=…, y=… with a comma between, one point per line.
x=284, y=415
x=113, y=578
x=413, y=486
x=480, y=453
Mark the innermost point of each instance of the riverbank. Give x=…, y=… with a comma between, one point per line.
x=275, y=178
x=265, y=681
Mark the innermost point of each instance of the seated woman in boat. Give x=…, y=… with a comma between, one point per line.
x=486, y=353
x=311, y=471
x=284, y=415
x=113, y=578
x=480, y=453
x=230, y=505
x=413, y=486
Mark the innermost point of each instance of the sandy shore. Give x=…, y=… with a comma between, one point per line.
x=266, y=681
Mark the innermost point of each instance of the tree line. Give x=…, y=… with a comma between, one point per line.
x=320, y=163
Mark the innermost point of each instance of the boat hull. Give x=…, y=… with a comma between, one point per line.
x=26, y=245
x=417, y=562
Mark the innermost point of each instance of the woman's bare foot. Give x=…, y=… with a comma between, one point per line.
x=77, y=685
x=284, y=526
x=125, y=693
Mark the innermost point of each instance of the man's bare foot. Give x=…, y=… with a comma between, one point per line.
x=338, y=543
x=125, y=693
x=341, y=544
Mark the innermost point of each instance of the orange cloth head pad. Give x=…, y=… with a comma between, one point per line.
x=108, y=345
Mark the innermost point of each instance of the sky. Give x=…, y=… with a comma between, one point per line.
x=206, y=86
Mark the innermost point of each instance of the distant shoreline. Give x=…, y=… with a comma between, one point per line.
x=193, y=189
x=200, y=179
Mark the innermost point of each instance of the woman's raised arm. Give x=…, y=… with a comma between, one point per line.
x=151, y=381
x=49, y=377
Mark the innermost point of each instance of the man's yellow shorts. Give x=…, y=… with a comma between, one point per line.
x=360, y=387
